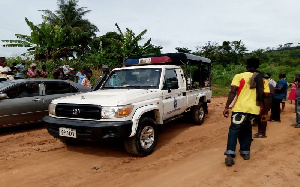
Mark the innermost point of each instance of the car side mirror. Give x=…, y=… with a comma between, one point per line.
x=3, y=96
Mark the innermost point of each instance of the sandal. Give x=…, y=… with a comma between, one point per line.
x=257, y=135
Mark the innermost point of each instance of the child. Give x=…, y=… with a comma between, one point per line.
x=292, y=94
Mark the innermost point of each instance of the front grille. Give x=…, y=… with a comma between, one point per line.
x=78, y=111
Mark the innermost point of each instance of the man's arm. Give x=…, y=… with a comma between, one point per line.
x=278, y=89
x=230, y=98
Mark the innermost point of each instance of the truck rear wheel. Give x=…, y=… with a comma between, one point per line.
x=198, y=114
x=145, y=139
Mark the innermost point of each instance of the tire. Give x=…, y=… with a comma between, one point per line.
x=198, y=114
x=144, y=141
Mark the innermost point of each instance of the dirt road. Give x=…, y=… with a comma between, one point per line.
x=186, y=155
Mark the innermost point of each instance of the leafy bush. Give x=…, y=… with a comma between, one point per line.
x=223, y=76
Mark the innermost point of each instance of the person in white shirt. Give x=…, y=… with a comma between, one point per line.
x=9, y=74
x=4, y=70
x=2, y=77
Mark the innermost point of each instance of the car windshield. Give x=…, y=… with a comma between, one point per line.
x=141, y=78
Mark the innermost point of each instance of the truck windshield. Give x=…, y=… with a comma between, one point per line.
x=140, y=78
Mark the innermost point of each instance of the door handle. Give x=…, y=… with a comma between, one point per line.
x=36, y=99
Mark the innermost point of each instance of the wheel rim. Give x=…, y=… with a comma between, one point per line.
x=147, y=137
x=201, y=113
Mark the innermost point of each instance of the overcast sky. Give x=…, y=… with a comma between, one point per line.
x=172, y=23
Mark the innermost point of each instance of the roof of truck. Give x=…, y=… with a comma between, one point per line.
x=168, y=59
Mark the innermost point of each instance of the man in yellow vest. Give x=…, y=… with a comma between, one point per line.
x=252, y=99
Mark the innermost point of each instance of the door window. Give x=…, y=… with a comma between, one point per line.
x=57, y=88
x=23, y=90
x=170, y=79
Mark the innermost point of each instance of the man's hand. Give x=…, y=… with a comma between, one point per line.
x=226, y=113
x=230, y=98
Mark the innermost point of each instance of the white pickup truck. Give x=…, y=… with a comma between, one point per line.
x=133, y=102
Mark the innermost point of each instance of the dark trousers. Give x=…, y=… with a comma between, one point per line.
x=275, y=109
x=262, y=126
x=240, y=129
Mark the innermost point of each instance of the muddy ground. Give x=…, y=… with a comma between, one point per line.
x=186, y=155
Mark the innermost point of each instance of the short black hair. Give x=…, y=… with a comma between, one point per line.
x=282, y=75
x=253, y=63
x=297, y=77
x=267, y=75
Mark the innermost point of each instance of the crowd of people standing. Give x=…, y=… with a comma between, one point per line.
x=65, y=72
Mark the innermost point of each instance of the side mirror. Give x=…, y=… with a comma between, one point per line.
x=3, y=96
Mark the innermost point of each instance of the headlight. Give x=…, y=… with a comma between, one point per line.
x=51, y=109
x=116, y=112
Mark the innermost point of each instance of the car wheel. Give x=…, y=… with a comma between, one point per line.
x=198, y=114
x=145, y=139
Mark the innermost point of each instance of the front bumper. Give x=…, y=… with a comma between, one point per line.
x=89, y=130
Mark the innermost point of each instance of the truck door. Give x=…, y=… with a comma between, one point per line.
x=173, y=96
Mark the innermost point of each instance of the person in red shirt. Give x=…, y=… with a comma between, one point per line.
x=87, y=80
x=32, y=71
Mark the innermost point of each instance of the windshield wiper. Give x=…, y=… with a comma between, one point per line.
x=132, y=86
x=109, y=87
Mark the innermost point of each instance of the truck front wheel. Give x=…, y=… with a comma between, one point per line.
x=198, y=114
x=145, y=139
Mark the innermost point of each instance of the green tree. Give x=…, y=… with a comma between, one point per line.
x=44, y=42
x=104, y=50
x=209, y=50
x=62, y=34
x=230, y=52
x=183, y=50
x=129, y=44
x=79, y=30
x=261, y=55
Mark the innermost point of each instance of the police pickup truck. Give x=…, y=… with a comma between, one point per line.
x=132, y=103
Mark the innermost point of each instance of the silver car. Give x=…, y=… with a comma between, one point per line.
x=26, y=100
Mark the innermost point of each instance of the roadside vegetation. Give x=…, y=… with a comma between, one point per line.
x=66, y=36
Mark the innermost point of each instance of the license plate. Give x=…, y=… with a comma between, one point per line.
x=68, y=132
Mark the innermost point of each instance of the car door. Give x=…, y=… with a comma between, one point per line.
x=173, y=95
x=56, y=89
x=23, y=105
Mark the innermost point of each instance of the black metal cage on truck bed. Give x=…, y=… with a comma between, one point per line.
x=197, y=69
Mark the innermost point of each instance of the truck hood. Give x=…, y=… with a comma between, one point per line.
x=111, y=97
